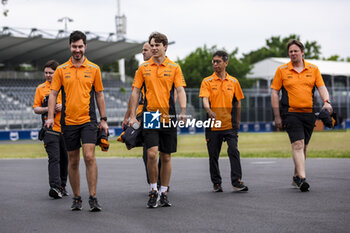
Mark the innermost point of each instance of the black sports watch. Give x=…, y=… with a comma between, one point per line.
x=327, y=101
x=103, y=119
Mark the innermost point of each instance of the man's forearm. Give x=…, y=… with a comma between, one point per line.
x=133, y=102
x=275, y=103
x=238, y=112
x=323, y=93
x=127, y=114
x=41, y=110
x=182, y=99
x=52, y=104
x=100, y=99
x=206, y=104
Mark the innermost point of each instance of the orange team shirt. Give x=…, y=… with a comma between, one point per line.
x=297, y=88
x=222, y=95
x=78, y=87
x=160, y=83
x=141, y=102
x=41, y=92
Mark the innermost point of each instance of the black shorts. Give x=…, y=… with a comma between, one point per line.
x=164, y=138
x=75, y=135
x=299, y=126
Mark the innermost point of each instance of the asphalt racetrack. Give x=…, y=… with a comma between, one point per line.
x=271, y=205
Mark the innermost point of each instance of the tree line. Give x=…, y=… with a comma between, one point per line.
x=198, y=64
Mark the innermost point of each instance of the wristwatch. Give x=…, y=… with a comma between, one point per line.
x=326, y=101
x=103, y=119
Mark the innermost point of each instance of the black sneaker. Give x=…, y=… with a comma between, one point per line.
x=295, y=181
x=217, y=188
x=55, y=193
x=303, y=185
x=153, y=199
x=64, y=192
x=77, y=203
x=164, y=202
x=94, y=206
x=240, y=187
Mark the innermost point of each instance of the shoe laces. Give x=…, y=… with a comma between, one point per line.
x=94, y=199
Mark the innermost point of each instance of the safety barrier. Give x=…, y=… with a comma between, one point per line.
x=15, y=135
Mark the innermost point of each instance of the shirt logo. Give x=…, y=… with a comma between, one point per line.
x=167, y=75
x=151, y=120
x=86, y=76
x=67, y=76
x=290, y=76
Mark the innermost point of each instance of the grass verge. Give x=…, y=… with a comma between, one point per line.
x=326, y=144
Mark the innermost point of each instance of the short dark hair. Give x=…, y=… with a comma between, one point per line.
x=297, y=43
x=51, y=64
x=221, y=54
x=158, y=38
x=77, y=35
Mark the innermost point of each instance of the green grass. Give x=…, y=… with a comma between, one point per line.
x=328, y=144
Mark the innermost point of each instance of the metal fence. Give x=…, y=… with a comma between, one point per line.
x=256, y=105
x=16, y=105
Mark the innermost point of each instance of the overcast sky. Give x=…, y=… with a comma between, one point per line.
x=192, y=23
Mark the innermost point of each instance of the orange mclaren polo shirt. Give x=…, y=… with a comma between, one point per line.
x=297, y=88
x=78, y=87
x=41, y=92
x=222, y=95
x=159, y=85
x=141, y=102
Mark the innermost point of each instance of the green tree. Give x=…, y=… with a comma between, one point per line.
x=113, y=67
x=277, y=47
x=131, y=65
x=198, y=65
x=334, y=57
x=312, y=50
x=239, y=69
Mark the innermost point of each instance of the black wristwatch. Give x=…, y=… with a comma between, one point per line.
x=103, y=119
x=327, y=101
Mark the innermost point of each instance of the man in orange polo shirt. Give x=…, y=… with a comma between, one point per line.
x=147, y=54
x=160, y=77
x=53, y=139
x=80, y=82
x=297, y=80
x=222, y=96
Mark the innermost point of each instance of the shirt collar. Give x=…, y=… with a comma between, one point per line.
x=164, y=63
x=217, y=77
x=71, y=63
x=291, y=67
